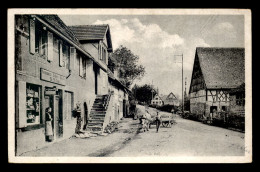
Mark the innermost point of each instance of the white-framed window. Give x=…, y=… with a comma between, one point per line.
x=41, y=41
x=102, y=52
x=82, y=65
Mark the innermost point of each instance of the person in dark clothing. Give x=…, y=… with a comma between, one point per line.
x=78, y=116
x=157, y=121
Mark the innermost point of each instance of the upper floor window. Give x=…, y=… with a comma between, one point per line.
x=41, y=41
x=66, y=58
x=102, y=53
x=48, y=45
x=82, y=65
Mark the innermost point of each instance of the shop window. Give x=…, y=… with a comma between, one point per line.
x=33, y=104
x=41, y=42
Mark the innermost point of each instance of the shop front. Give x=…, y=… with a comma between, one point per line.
x=34, y=98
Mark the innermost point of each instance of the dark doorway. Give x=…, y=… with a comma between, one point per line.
x=95, y=68
x=85, y=116
x=212, y=108
x=124, y=108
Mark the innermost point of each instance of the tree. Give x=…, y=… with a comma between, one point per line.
x=143, y=93
x=126, y=63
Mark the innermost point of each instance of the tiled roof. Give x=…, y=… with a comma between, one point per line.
x=61, y=27
x=58, y=24
x=92, y=32
x=89, y=32
x=222, y=67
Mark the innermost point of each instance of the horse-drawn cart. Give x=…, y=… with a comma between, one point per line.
x=166, y=120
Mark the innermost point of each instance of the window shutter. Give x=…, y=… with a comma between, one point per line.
x=32, y=36
x=22, y=121
x=80, y=66
x=61, y=55
x=50, y=46
x=72, y=57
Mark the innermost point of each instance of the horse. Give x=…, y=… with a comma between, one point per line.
x=145, y=122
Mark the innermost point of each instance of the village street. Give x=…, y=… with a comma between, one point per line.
x=185, y=137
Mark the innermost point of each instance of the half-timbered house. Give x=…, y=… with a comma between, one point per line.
x=215, y=72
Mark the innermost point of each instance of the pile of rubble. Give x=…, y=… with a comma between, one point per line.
x=111, y=127
x=88, y=134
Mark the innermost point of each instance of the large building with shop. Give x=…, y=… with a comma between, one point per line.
x=56, y=67
x=216, y=71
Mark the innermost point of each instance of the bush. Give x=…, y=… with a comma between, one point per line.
x=236, y=121
x=166, y=108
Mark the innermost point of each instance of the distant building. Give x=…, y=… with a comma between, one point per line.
x=215, y=72
x=170, y=99
x=157, y=100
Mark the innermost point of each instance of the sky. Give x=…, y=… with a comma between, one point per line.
x=158, y=40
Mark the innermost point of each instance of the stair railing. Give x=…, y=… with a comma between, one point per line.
x=107, y=99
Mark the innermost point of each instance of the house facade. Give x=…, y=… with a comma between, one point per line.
x=55, y=68
x=157, y=100
x=215, y=72
x=170, y=99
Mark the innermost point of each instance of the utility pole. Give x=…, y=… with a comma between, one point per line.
x=181, y=81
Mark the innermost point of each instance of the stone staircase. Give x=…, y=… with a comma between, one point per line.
x=97, y=114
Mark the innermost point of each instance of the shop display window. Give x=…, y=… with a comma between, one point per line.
x=33, y=104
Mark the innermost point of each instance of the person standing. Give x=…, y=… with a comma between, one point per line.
x=48, y=127
x=157, y=121
x=78, y=116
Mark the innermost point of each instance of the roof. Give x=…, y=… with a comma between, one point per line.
x=58, y=24
x=156, y=95
x=111, y=76
x=165, y=97
x=63, y=29
x=92, y=32
x=239, y=89
x=222, y=67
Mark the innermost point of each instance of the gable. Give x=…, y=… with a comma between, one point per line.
x=197, y=78
x=93, y=33
x=171, y=96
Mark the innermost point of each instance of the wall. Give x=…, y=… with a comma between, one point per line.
x=29, y=72
x=198, y=102
x=236, y=109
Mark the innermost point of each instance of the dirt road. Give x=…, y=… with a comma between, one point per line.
x=185, y=137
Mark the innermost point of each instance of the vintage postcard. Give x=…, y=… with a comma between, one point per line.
x=129, y=86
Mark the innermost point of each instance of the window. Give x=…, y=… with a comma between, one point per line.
x=33, y=104
x=40, y=40
x=66, y=58
x=82, y=66
x=240, y=99
x=56, y=50
x=102, y=53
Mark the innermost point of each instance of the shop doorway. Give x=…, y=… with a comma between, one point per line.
x=57, y=117
x=55, y=102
